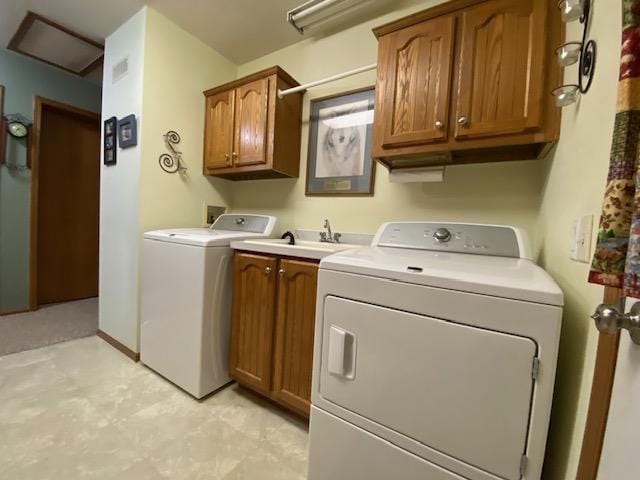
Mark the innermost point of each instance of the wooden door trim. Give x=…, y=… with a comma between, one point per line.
x=601, y=390
x=41, y=103
x=135, y=356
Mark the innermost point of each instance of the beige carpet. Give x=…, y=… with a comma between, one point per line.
x=48, y=325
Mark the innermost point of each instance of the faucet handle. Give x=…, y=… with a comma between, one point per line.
x=336, y=237
x=323, y=236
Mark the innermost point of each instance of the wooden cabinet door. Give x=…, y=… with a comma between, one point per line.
x=252, y=320
x=219, y=130
x=251, y=132
x=295, y=322
x=501, y=70
x=417, y=71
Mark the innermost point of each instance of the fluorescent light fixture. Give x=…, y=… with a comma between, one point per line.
x=315, y=12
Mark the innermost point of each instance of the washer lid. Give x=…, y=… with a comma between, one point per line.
x=225, y=229
x=504, y=277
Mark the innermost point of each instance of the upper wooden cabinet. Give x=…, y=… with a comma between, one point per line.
x=219, y=119
x=468, y=81
x=249, y=131
x=418, y=83
x=502, y=51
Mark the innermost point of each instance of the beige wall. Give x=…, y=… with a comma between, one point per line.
x=498, y=193
x=574, y=186
x=177, y=69
x=543, y=197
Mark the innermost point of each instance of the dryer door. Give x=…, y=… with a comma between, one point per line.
x=461, y=390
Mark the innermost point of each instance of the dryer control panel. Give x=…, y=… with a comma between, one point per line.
x=478, y=239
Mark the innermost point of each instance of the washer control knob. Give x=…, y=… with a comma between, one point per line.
x=442, y=235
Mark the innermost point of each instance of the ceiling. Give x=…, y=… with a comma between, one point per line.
x=241, y=30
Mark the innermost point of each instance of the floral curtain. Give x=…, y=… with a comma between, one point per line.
x=616, y=261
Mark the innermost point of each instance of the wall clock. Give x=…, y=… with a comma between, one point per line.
x=17, y=129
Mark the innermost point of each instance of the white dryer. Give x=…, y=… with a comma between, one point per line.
x=186, y=300
x=435, y=357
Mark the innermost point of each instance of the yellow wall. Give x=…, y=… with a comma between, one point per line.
x=177, y=69
x=575, y=181
x=498, y=193
x=543, y=197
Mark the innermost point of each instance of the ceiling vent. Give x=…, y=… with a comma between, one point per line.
x=119, y=70
x=42, y=39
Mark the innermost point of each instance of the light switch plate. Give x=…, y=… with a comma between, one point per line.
x=582, y=229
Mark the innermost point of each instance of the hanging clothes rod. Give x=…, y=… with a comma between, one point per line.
x=333, y=78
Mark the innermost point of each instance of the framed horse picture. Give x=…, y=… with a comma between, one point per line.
x=339, y=160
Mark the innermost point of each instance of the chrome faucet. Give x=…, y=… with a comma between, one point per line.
x=329, y=236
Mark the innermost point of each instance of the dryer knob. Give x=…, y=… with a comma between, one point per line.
x=442, y=235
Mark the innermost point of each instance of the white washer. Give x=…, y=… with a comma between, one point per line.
x=435, y=356
x=186, y=300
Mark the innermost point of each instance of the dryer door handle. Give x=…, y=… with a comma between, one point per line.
x=342, y=353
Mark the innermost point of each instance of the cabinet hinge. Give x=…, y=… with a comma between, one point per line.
x=535, y=369
x=523, y=465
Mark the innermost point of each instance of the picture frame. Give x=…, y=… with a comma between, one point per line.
x=339, y=161
x=128, y=131
x=110, y=139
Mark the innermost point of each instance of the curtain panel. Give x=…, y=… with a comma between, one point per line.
x=616, y=261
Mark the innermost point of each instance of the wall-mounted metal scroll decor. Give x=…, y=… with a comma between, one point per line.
x=583, y=53
x=172, y=162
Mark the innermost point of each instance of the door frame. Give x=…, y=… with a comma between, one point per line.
x=41, y=103
x=601, y=390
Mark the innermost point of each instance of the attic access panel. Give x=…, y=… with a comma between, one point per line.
x=45, y=40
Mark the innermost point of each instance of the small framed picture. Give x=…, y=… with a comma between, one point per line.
x=110, y=141
x=339, y=159
x=128, y=131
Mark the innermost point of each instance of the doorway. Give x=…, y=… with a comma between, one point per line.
x=65, y=203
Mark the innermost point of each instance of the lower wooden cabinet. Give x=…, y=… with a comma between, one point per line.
x=272, y=325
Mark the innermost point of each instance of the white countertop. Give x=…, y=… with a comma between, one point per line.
x=304, y=247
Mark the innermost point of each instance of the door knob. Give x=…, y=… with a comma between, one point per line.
x=439, y=125
x=609, y=319
x=267, y=270
x=464, y=121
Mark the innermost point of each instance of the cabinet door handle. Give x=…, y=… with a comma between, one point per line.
x=226, y=155
x=463, y=121
x=234, y=154
x=439, y=125
x=267, y=270
x=281, y=271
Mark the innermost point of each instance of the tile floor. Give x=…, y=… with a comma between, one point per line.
x=82, y=410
